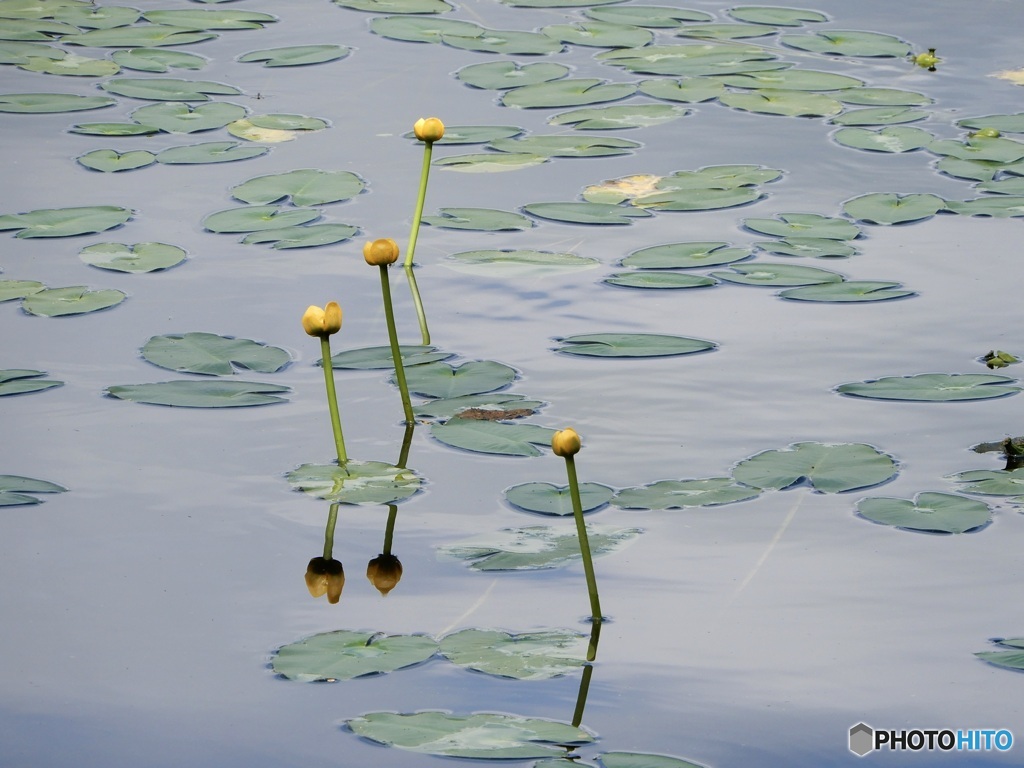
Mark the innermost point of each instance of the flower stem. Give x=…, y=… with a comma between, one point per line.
x=581, y=532
x=418, y=302
x=428, y=149
x=396, y=352
x=332, y=399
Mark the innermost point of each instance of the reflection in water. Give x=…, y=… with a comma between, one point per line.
x=325, y=575
x=385, y=570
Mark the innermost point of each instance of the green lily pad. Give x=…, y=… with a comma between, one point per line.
x=656, y=16
x=567, y=146
x=768, y=101
x=493, y=437
x=699, y=199
x=813, y=247
x=157, y=60
x=417, y=29
x=523, y=656
x=643, y=759
x=659, y=280
x=883, y=97
x=184, y=118
x=678, y=494
x=17, y=52
x=992, y=482
x=113, y=129
x=147, y=36
x=473, y=134
x=15, y=489
x=896, y=139
x=585, y=213
x=619, y=116
x=548, y=499
x=187, y=393
x=277, y=122
x=776, y=17
x=479, y=736
x=1010, y=186
x=33, y=29
x=792, y=80
x=138, y=257
x=499, y=75
x=213, y=355
x=88, y=16
x=1005, y=206
x=257, y=218
x=207, y=19
x=43, y=103
x=1004, y=123
x=511, y=42
x=827, y=468
x=71, y=65
x=845, y=42
x=379, y=358
x=344, y=655
x=996, y=148
x=804, y=225
x=18, y=289
x=536, y=547
x=296, y=55
x=932, y=512
x=110, y=161
x=478, y=220
x=690, y=90
x=685, y=256
x=784, y=275
x=1006, y=659
x=599, y=34
x=305, y=187
x=167, y=88
x=355, y=482
x=518, y=262
x=305, y=236
x=888, y=208
x=631, y=345
x=568, y=92
x=396, y=6
x=490, y=162
x=72, y=300
x=724, y=31
x=209, y=152
x=495, y=406
x=848, y=291
x=20, y=381
x=470, y=378
x=880, y=116
x=933, y=387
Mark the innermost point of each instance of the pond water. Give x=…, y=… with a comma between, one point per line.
x=143, y=608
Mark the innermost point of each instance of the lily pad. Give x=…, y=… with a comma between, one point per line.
x=769, y=101
x=474, y=134
x=932, y=512
x=828, y=468
x=883, y=97
x=110, y=161
x=656, y=16
x=813, y=247
x=479, y=736
x=776, y=17
x=992, y=482
x=678, y=494
x=845, y=42
x=997, y=148
x=15, y=489
x=619, y=116
x=880, y=116
x=804, y=225
x=1006, y=659
x=184, y=118
x=934, y=387
x=511, y=42
x=585, y=213
x=548, y=499
x=848, y=291
x=493, y=437
x=207, y=19
x=344, y=655
x=213, y=355
x=569, y=92
x=305, y=236
x=71, y=65
x=724, y=31
x=499, y=75
x=599, y=34
x=490, y=162
x=355, y=482
x=209, y=152
x=496, y=406
x=18, y=289
x=1004, y=123
x=896, y=139
x=690, y=90
x=201, y=394
x=888, y=208
x=685, y=256
x=72, y=300
x=417, y=29
x=43, y=103
x=167, y=88
x=138, y=257
x=536, y=547
x=283, y=122
x=157, y=60
x=90, y=17
x=792, y=80
x=1005, y=206
x=297, y=55
x=784, y=275
x=631, y=345
x=523, y=656
x=659, y=280
x=258, y=218
x=20, y=381
x=479, y=220
x=470, y=378
x=141, y=36
x=305, y=187
x=379, y=358
x=567, y=146
x=643, y=759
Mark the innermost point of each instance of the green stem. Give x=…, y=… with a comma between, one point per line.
x=581, y=532
x=428, y=148
x=332, y=399
x=332, y=519
x=418, y=302
x=396, y=352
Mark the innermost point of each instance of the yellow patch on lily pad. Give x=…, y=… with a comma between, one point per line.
x=626, y=188
x=244, y=129
x=1015, y=76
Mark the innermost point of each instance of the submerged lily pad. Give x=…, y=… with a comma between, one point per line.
x=567, y=146
x=520, y=261
x=20, y=381
x=494, y=406
x=934, y=387
x=643, y=759
x=113, y=129
x=355, y=482
x=523, y=656
x=490, y=162
x=848, y=291
x=536, y=547
x=677, y=494
x=828, y=468
x=548, y=499
x=933, y=512
x=213, y=355
x=138, y=257
x=478, y=219
x=494, y=437
x=344, y=655
x=187, y=393
x=71, y=300
x=15, y=489
x=631, y=345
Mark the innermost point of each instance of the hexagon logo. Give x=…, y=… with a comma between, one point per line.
x=862, y=739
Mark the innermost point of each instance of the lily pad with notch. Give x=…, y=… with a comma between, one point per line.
x=188, y=393
x=828, y=468
x=996, y=148
x=304, y=236
x=1005, y=123
x=685, y=256
x=45, y=103
x=774, y=101
x=550, y=499
x=725, y=31
x=777, y=275
x=679, y=494
x=475, y=377
x=655, y=16
x=811, y=247
x=536, y=547
x=19, y=289
x=883, y=97
x=845, y=42
x=420, y=29
x=889, y=208
x=304, y=187
x=539, y=655
x=296, y=55
x=22, y=381
x=140, y=36
x=567, y=146
x=16, y=490
x=776, y=17
x=345, y=655
x=396, y=6
x=992, y=482
x=632, y=345
x=804, y=225
x=792, y=80
x=928, y=512
x=111, y=161
x=848, y=292
x=492, y=437
x=355, y=482
x=113, y=129
x=157, y=60
x=65, y=222
x=71, y=65
x=490, y=162
x=599, y=34
x=1004, y=206
x=174, y=117
x=213, y=355
x=688, y=90
x=893, y=139
x=510, y=42
x=167, y=88
x=500, y=75
x=71, y=300
x=379, y=358
x=206, y=19
x=137, y=258
x=209, y=152
x=257, y=218
x=934, y=387
x=880, y=116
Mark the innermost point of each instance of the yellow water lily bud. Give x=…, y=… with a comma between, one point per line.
x=927, y=60
x=322, y=322
x=325, y=576
x=428, y=129
x=565, y=443
x=380, y=253
x=384, y=572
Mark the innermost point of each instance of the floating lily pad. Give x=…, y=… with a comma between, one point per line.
x=499, y=75
x=213, y=355
x=88, y=16
x=138, y=257
x=416, y=29
x=585, y=213
x=18, y=289
x=888, y=208
x=17, y=52
x=1004, y=123
x=615, y=117
x=845, y=42
x=599, y=34
x=479, y=220
x=355, y=482
x=184, y=118
x=659, y=280
x=804, y=225
x=792, y=80
x=206, y=19
x=479, y=736
x=996, y=148
x=33, y=29
x=496, y=406
x=567, y=146
x=494, y=437
x=1010, y=186
x=1005, y=206
x=201, y=394
x=934, y=387
x=777, y=275
x=71, y=65
x=631, y=345
x=548, y=499
x=490, y=162
x=975, y=170
x=72, y=300
x=685, y=256
x=569, y=92
x=209, y=152
x=992, y=482
x=474, y=134
x=896, y=139
x=880, y=116
x=470, y=378
x=257, y=218
x=776, y=17
x=42, y=103
x=828, y=468
x=656, y=16
x=297, y=55
x=167, y=88
x=848, y=291
x=725, y=31
x=157, y=60
x=305, y=236
x=770, y=101
x=678, y=494
x=305, y=187
x=1006, y=659
x=344, y=655
x=379, y=358
x=536, y=547
x=932, y=512
x=20, y=381
x=15, y=489
x=690, y=90
x=643, y=759
x=511, y=42
x=813, y=247
x=523, y=656
x=110, y=161
x=147, y=36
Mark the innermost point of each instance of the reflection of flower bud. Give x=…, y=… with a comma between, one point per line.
x=322, y=322
x=927, y=60
x=565, y=443
x=428, y=129
x=380, y=253
x=986, y=133
x=325, y=577
x=384, y=572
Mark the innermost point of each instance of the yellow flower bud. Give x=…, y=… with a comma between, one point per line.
x=986, y=133
x=325, y=577
x=384, y=572
x=428, y=129
x=380, y=253
x=927, y=60
x=565, y=443
x=322, y=322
